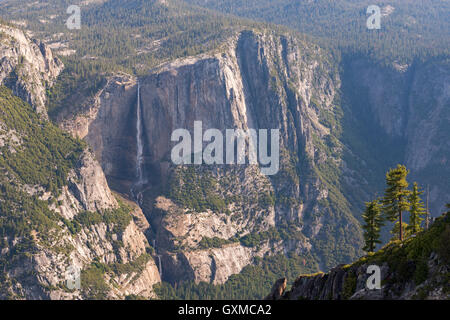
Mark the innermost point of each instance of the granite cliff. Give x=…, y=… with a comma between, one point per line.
x=415, y=269
x=27, y=66
x=258, y=80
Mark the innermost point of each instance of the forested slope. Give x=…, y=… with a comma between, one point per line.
x=409, y=29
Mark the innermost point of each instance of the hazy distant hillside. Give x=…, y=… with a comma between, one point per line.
x=116, y=34
x=409, y=28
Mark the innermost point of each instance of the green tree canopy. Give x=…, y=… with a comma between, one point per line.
x=395, y=199
x=416, y=210
x=373, y=223
x=396, y=229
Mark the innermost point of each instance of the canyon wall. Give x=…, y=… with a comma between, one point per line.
x=258, y=81
x=59, y=214
x=342, y=125
x=406, y=114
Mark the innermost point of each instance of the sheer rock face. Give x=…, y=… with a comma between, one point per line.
x=86, y=190
x=411, y=107
x=27, y=67
x=258, y=81
x=109, y=127
x=88, y=184
x=265, y=81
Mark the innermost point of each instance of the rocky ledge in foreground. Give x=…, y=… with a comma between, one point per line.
x=417, y=269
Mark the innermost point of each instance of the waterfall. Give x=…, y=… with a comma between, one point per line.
x=137, y=188
x=159, y=259
x=160, y=266
x=140, y=146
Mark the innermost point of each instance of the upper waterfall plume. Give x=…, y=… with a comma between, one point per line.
x=140, y=146
x=136, y=190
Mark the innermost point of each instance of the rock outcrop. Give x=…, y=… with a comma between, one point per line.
x=277, y=290
x=416, y=269
x=27, y=67
x=118, y=246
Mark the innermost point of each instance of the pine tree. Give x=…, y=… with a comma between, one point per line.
x=395, y=199
x=416, y=210
x=396, y=229
x=373, y=222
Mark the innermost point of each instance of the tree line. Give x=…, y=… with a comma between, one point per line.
x=397, y=200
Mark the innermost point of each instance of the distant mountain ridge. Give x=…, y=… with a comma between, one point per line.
x=409, y=30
